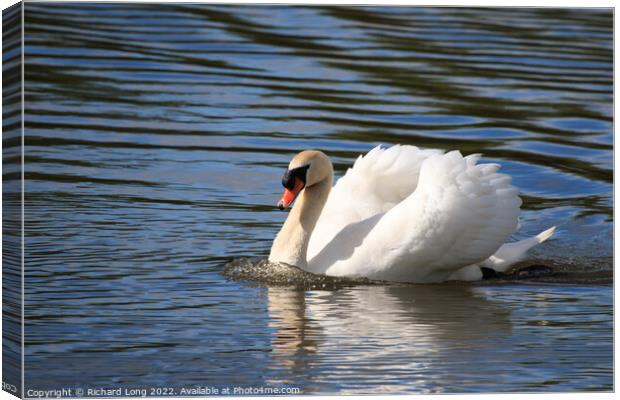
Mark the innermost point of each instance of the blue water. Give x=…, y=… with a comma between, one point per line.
x=156, y=136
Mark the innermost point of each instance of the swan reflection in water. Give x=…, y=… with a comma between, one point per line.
x=396, y=338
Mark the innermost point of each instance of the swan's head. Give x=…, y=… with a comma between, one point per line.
x=305, y=169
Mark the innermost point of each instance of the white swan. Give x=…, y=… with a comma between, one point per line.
x=400, y=214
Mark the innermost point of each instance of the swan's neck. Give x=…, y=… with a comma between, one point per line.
x=291, y=244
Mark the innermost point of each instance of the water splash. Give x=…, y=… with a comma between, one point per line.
x=263, y=272
x=279, y=274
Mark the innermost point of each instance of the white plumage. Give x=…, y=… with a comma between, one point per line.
x=411, y=215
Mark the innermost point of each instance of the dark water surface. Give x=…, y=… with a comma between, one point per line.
x=156, y=138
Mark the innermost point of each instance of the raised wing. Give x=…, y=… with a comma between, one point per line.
x=459, y=214
x=376, y=183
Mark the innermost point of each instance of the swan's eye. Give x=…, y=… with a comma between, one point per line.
x=288, y=179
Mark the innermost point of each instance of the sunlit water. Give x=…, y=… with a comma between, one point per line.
x=156, y=138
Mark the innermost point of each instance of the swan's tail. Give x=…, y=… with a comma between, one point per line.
x=511, y=253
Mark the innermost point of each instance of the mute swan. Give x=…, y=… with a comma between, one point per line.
x=400, y=214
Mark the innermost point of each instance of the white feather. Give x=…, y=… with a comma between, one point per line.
x=412, y=215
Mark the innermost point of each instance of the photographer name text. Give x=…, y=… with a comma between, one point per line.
x=161, y=392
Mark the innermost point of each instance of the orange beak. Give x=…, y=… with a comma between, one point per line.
x=289, y=196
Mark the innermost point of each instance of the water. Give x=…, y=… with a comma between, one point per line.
x=156, y=138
